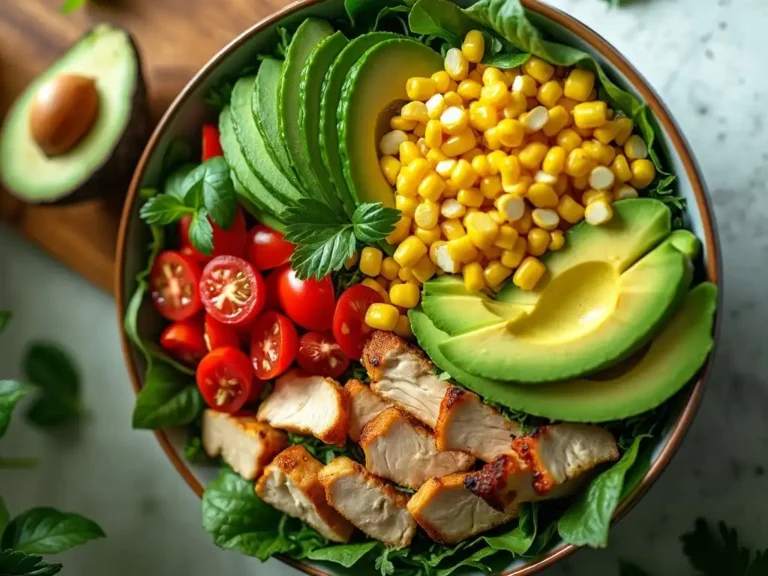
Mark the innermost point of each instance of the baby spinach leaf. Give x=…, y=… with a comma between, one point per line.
x=442, y=19
x=518, y=540
x=476, y=560
x=17, y=563
x=11, y=391
x=588, y=519
x=509, y=58
x=168, y=398
x=49, y=531
x=347, y=554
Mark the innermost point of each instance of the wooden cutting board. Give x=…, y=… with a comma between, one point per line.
x=175, y=38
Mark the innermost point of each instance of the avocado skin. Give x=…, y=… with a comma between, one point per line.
x=111, y=178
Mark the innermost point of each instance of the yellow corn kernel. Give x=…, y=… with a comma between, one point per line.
x=592, y=148
x=422, y=145
x=539, y=136
x=400, y=123
x=496, y=160
x=459, y=144
x=433, y=134
x=593, y=195
x=580, y=182
x=520, y=188
x=451, y=208
x=554, y=161
x=473, y=277
x=482, y=166
x=431, y=188
x=511, y=74
x=441, y=79
x=406, y=275
x=492, y=75
x=517, y=105
x=453, y=86
x=624, y=128
x=453, y=229
x=549, y=93
x=490, y=186
x=410, y=176
x=624, y=192
x=570, y=210
x=463, y=175
x=403, y=327
x=532, y=155
x=511, y=258
x=427, y=214
x=382, y=316
x=390, y=142
x=435, y=156
x=511, y=132
x=415, y=111
x=491, y=253
x=468, y=156
x=542, y=195
x=401, y=231
x=585, y=133
x=557, y=240
x=511, y=207
x=475, y=76
x=509, y=168
x=635, y=148
x=496, y=216
x=445, y=167
x=370, y=261
x=496, y=94
x=390, y=166
x=454, y=120
x=567, y=103
x=473, y=46
x=420, y=88
x=563, y=184
x=538, y=241
x=495, y=273
x=452, y=99
x=462, y=249
x=424, y=269
x=438, y=253
x=558, y=120
x=606, y=133
x=569, y=140
x=579, y=84
x=405, y=295
x=643, y=173
x=620, y=168
x=524, y=223
x=482, y=116
x=545, y=218
x=352, y=261
x=470, y=197
x=605, y=154
x=451, y=190
x=507, y=237
x=469, y=89
x=598, y=212
x=436, y=106
x=539, y=70
x=578, y=163
x=590, y=114
x=410, y=251
x=456, y=64
x=380, y=290
x=389, y=268
x=427, y=235
x=492, y=138
x=529, y=273
x=409, y=152
x=481, y=229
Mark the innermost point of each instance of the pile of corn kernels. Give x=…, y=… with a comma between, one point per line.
x=491, y=166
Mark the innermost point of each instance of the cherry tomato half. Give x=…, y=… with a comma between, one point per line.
x=173, y=284
x=349, y=327
x=224, y=379
x=233, y=292
x=265, y=248
x=319, y=354
x=274, y=344
x=257, y=387
x=309, y=303
x=184, y=340
x=218, y=335
x=211, y=143
x=225, y=242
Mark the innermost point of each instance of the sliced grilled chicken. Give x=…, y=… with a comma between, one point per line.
x=550, y=463
x=449, y=513
x=400, y=448
x=374, y=506
x=310, y=405
x=243, y=442
x=364, y=407
x=290, y=483
x=403, y=375
x=466, y=424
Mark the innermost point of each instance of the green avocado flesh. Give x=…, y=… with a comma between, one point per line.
x=457, y=314
x=253, y=146
x=249, y=202
x=376, y=83
x=674, y=357
x=311, y=32
x=107, y=55
x=310, y=94
x=265, y=110
x=329, y=104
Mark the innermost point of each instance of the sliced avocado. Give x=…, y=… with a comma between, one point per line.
x=265, y=109
x=310, y=94
x=102, y=160
x=457, y=314
x=589, y=317
x=374, y=87
x=311, y=32
x=253, y=147
x=331, y=96
x=673, y=358
x=254, y=206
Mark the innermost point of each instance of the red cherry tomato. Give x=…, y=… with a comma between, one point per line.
x=218, y=335
x=257, y=387
x=211, y=143
x=265, y=248
x=319, y=354
x=225, y=242
x=349, y=327
x=192, y=254
x=233, y=292
x=274, y=344
x=184, y=340
x=224, y=379
x=309, y=303
x=173, y=284
x=273, y=301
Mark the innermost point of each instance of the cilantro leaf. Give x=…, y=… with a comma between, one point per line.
x=16, y=563
x=210, y=185
x=201, y=232
x=164, y=209
x=312, y=221
x=373, y=222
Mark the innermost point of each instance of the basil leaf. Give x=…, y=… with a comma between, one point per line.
x=210, y=185
x=373, y=221
x=11, y=392
x=48, y=531
x=164, y=209
x=201, y=232
x=174, y=184
x=238, y=519
x=518, y=540
x=588, y=519
x=319, y=260
x=347, y=554
x=167, y=399
x=5, y=319
x=16, y=563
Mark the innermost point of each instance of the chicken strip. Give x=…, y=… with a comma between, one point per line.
x=243, y=442
x=449, y=513
x=402, y=374
x=364, y=407
x=290, y=483
x=374, y=506
x=468, y=425
x=400, y=448
x=310, y=405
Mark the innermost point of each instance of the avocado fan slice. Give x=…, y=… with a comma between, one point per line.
x=590, y=317
x=672, y=359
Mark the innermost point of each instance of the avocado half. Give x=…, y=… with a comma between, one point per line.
x=104, y=159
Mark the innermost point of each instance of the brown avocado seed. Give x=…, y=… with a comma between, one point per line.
x=62, y=112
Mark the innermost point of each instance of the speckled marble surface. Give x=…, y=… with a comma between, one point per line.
x=706, y=59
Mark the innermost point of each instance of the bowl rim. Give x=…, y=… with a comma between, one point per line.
x=679, y=144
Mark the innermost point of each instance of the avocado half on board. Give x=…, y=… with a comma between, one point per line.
x=78, y=129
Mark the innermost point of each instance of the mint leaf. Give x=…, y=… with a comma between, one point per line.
x=164, y=209
x=322, y=258
x=346, y=555
x=48, y=531
x=167, y=399
x=16, y=563
x=373, y=222
x=210, y=185
x=201, y=232
x=11, y=392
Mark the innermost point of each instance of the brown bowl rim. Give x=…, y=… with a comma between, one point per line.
x=607, y=51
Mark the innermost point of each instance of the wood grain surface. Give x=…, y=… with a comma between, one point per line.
x=175, y=38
